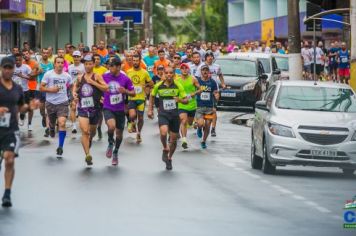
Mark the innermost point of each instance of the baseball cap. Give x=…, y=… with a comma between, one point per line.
x=7, y=62
x=88, y=58
x=160, y=67
x=204, y=66
x=86, y=49
x=115, y=62
x=184, y=65
x=76, y=53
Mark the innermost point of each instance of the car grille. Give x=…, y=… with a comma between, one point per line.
x=306, y=154
x=323, y=139
x=323, y=135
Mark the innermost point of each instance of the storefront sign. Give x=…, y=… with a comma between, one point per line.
x=13, y=6
x=118, y=17
x=34, y=11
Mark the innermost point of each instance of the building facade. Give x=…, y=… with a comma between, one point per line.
x=267, y=20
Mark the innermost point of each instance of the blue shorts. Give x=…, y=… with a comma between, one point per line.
x=189, y=113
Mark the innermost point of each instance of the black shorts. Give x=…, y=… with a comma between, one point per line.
x=118, y=116
x=189, y=113
x=173, y=122
x=333, y=67
x=10, y=142
x=93, y=116
x=29, y=95
x=41, y=96
x=318, y=69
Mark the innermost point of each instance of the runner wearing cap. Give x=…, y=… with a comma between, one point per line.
x=140, y=79
x=217, y=76
x=87, y=91
x=170, y=93
x=120, y=86
x=11, y=102
x=205, y=103
x=55, y=84
x=75, y=70
x=187, y=111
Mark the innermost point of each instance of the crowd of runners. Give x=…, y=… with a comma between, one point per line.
x=92, y=87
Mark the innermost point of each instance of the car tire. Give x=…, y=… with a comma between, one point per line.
x=256, y=161
x=348, y=172
x=267, y=167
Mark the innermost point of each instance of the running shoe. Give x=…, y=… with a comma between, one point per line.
x=46, y=135
x=44, y=123
x=115, y=159
x=129, y=127
x=199, y=133
x=213, y=133
x=184, y=144
x=165, y=156
x=59, y=152
x=109, y=151
x=89, y=160
x=169, y=165
x=138, y=138
x=52, y=133
x=6, y=201
x=203, y=145
x=29, y=128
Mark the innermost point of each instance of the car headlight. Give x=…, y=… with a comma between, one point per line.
x=249, y=86
x=354, y=137
x=281, y=130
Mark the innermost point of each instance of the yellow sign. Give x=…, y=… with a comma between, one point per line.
x=267, y=31
x=353, y=75
x=34, y=11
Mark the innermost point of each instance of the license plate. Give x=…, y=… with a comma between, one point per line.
x=324, y=153
x=230, y=95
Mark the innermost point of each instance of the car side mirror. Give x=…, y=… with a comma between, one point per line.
x=262, y=105
x=263, y=77
x=277, y=72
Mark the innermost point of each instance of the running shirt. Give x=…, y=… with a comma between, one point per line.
x=307, y=56
x=24, y=70
x=332, y=59
x=167, y=103
x=319, y=55
x=11, y=99
x=113, y=100
x=189, y=88
x=150, y=62
x=215, y=71
x=52, y=79
x=344, y=62
x=194, y=68
x=126, y=66
x=206, y=97
x=139, y=79
x=45, y=68
x=156, y=79
x=159, y=62
x=89, y=95
x=75, y=71
x=32, y=84
x=100, y=70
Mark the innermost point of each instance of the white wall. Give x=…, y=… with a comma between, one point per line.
x=252, y=11
x=236, y=14
x=282, y=6
x=268, y=9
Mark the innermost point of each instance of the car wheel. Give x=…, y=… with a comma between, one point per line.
x=256, y=161
x=267, y=167
x=348, y=172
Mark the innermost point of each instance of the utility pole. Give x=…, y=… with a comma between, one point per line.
x=353, y=45
x=128, y=29
x=146, y=23
x=203, y=26
x=295, y=60
x=56, y=25
x=151, y=22
x=70, y=21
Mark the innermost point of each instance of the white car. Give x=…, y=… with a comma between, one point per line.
x=282, y=61
x=305, y=123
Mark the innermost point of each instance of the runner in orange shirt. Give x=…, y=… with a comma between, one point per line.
x=162, y=61
x=127, y=63
x=102, y=51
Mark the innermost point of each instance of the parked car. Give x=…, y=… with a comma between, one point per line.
x=305, y=123
x=269, y=63
x=282, y=61
x=241, y=75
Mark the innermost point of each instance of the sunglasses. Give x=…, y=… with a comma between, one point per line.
x=176, y=57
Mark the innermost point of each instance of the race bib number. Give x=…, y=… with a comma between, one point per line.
x=5, y=120
x=205, y=96
x=150, y=68
x=169, y=104
x=115, y=99
x=87, y=102
x=344, y=60
x=138, y=89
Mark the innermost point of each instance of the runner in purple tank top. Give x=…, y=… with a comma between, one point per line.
x=120, y=86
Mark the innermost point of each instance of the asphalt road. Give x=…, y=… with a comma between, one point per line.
x=209, y=192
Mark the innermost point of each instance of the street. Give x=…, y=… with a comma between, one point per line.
x=209, y=192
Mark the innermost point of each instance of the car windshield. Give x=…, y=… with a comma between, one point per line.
x=266, y=64
x=316, y=99
x=238, y=67
x=282, y=63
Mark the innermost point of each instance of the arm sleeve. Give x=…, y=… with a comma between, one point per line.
x=155, y=89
